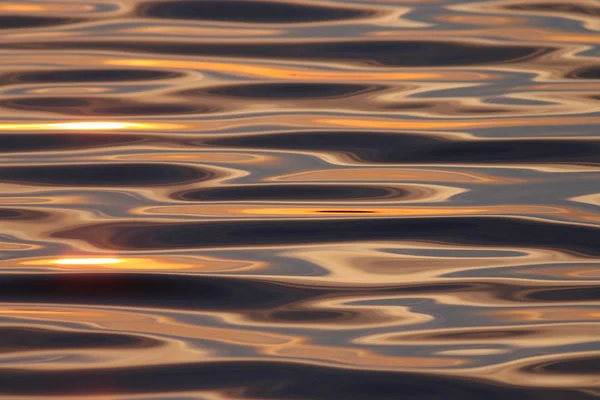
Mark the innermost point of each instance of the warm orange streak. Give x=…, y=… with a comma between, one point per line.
x=390, y=175
x=579, y=38
x=457, y=124
x=205, y=157
x=19, y=7
x=34, y=312
x=201, y=31
x=554, y=314
x=472, y=352
x=281, y=73
x=85, y=126
x=593, y=199
x=112, y=263
x=87, y=261
x=22, y=7
x=348, y=211
x=333, y=211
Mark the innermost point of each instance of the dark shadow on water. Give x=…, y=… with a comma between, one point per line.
x=462, y=230
x=375, y=53
x=250, y=11
x=408, y=148
x=560, y=9
x=18, y=339
x=25, y=21
x=291, y=91
x=591, y=72
x=268, y=380
x=292, y=193
x=88, y=75
x=11, y=143
x=109, y=175
x=96, y=106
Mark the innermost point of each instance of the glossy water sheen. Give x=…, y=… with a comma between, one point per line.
x=299, y=200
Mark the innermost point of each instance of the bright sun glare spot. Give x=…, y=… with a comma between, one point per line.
x=70, y=263
x=72, y=126
x=96, y=125
x=87, y=261
x=87, y=126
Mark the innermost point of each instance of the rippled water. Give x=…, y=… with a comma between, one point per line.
x=351, y=199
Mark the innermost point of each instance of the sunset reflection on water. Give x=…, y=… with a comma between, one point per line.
x=275, y=199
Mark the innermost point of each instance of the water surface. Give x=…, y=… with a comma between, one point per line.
x=303, y=200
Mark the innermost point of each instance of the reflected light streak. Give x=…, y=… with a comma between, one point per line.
x=278, y=72
x=87, y=125
x=131, y=264
x=391, y=175
x=19, y=7
x=87, y=261
x=110, y=263
x=100, y=263
x=341, y=211
x=456, y=124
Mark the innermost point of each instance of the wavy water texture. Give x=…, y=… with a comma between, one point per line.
x=285, y=199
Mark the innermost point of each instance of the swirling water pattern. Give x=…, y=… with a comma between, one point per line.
x=285, y=199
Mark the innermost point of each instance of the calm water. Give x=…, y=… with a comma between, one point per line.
x=348, y=200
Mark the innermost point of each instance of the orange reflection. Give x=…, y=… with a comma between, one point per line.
x=573, y=38
x=15, y=7
x=207, y=264
x=174, y=30
x=484, y=20
x=530, y=336
x=20, y=7
x=332, y=211
x=593, y=199
x=87, y=125
x=14, y=246
x=472, y=352
x=552, y=314
x=458, y=124
x=341, y=211
x=363, y=358
x=278, y=345
x=87, y=261
x=110, y=263
x=366, y=263
x=69, y=91
x=489, y=22
x=204, y=156
x=578, y=272
x=290, y=73
x=39, y=313
x=391, y=175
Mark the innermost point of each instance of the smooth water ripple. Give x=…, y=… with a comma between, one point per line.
x=308, y=200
